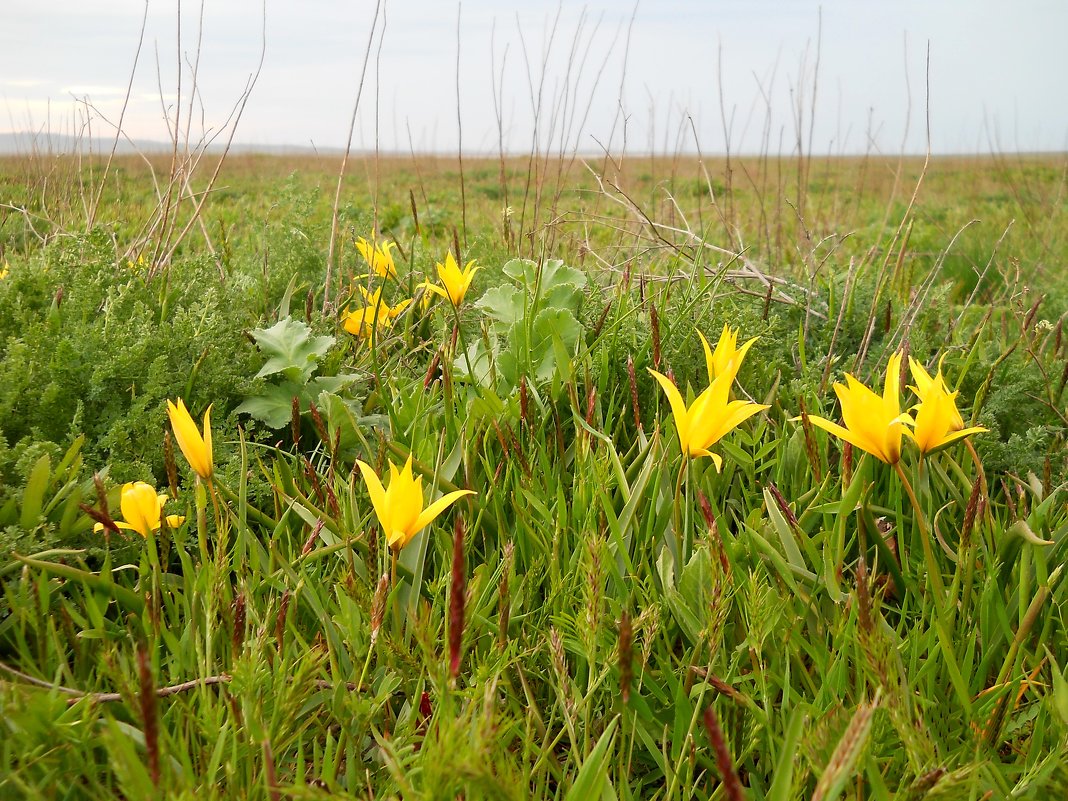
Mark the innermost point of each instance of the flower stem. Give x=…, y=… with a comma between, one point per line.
x=677, y=517
x=933, y=570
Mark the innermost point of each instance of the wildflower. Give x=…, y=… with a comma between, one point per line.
x=400, y=508
x=375, y=315
x=142, y=509
x=710, y=417
x=378, y=257
x=872, y=423
x=4, y=270
x=727, y=351
x=195, y=448
x=938, y=423
x=454, y=281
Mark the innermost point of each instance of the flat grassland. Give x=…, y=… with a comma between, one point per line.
x=611, y=612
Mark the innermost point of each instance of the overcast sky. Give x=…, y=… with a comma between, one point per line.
x=998, y=72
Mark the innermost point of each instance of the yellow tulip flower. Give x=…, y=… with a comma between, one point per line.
x=872, y=423
x=399, y=508
x=378, y=257
x=142, y=510
x=377, y=314
x=710, y=417
x=938, y=423
x=454, y=281
x=717, y=361
x=195, y=448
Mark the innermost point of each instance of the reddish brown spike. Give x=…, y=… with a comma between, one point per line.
x=633, y=379
x=732, y=785
x=625, y=655
x=654, y=325
x=457, y=598
x=149, y=714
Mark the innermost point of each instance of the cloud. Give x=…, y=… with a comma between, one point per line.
x=21, y=83
x=93, y=90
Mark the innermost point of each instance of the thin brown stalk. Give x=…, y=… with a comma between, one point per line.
x=332, y=245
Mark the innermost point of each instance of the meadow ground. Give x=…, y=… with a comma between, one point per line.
x=650, y=574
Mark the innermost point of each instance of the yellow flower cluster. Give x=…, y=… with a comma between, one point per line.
x=375, y=316
x=875, y=423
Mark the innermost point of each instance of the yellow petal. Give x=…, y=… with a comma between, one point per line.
x=429, y=514
x=396, y=310
x=406, y=500
x=857, y=439
x=717, y=460
x=208, y=454
x=140, y=507
x=194, y=446
x=678, y=409
x=377, y=494
x=892, y=386
x=921, y=377
x=710, y=362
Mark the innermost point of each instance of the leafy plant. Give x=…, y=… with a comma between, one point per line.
x=536, y=319
x=293, y=353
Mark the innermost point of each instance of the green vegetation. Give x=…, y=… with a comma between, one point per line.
x=604, y=617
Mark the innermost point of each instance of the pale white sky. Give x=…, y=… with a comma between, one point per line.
x=998, y=71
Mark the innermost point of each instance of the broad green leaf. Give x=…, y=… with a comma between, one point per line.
x=291, y=349
x=503, y=304
x=273, y=406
